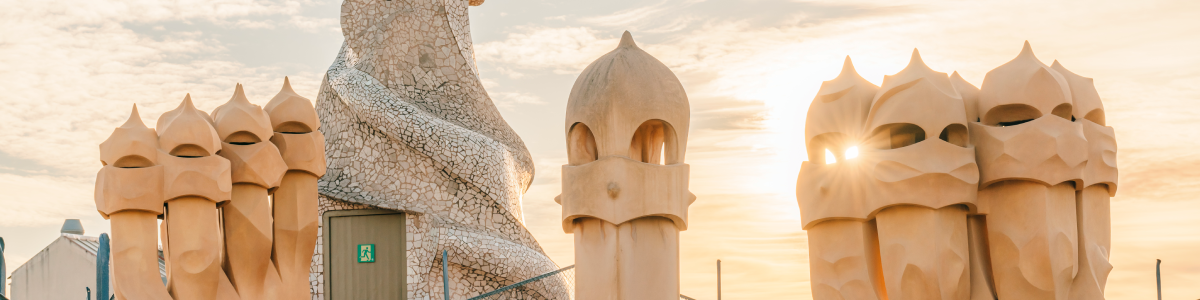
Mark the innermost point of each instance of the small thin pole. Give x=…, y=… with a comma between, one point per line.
x=719, y=280
x=1158, y=275
x=446, y=277
x=103, y=258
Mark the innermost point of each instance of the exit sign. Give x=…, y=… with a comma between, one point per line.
x=366, y=253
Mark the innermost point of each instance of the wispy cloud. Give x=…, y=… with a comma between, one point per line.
x=72, y=71
x=563, y=50
x=509, y=100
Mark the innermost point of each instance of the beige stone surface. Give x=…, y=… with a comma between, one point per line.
x=195, y=180
x=290, y=112
x=625, y=188
x=1031, y=153
x=194, y=252
x=295, y=232
x=1100, y=184
x=135, y=256
x=186, y=131
x=212, y=179
x=836, y=121
x=929, y=183
x=982, y=283
x=1009, y=201
x=255, y=167
x=129, y=192
x=133, y=145
x=844, y=260
x=302, y=149
x=843, y=252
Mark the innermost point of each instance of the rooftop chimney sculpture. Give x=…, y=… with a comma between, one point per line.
x=625, y=188
x=129, y=192
x=256, y=166
x=294, y=121
x=1010, y=201
x=214, y=174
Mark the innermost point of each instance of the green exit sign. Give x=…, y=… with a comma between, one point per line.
x=366, y=253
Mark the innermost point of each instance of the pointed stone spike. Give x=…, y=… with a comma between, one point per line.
x=848, y=67
x=627, y=40
x=187, y=101
x=287, y=85
x=239, y=95
x=917, y=61
x=135, y=119
x=1027, y=51
x=848, y=72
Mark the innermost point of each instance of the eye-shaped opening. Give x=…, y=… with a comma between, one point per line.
x=1096, y=116
x=133, y=161
x=654, y=142
x=955, y=134
x=828, y=148
x=189, y=150
x=581, y=145
x=895, y=136
x=1063, y=111
x=293, y=127
x=242, y=138
x=1011, y=114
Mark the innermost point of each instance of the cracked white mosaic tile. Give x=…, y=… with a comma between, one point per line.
x=409, y=127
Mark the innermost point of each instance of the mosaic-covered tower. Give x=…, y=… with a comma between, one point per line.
x=409, y=129
x=625, y=188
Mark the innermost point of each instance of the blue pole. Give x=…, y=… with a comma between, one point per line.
x=446, y=277
x=102, y=261
x=1158, y=276
x=3, y=270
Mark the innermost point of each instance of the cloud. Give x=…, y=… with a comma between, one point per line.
x=628, y=17
x=509, y=100
x=311, y=24
x=44, y=200
x=563, y=50
x=72, y=70
x=662, y=17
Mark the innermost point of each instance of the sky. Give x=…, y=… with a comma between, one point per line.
x=70, y=70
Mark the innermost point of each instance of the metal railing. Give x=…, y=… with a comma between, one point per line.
x=561, y=281
x=552, y=283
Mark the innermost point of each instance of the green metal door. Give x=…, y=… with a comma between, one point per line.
x=366, y=259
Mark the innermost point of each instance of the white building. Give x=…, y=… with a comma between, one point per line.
x=63, y=270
